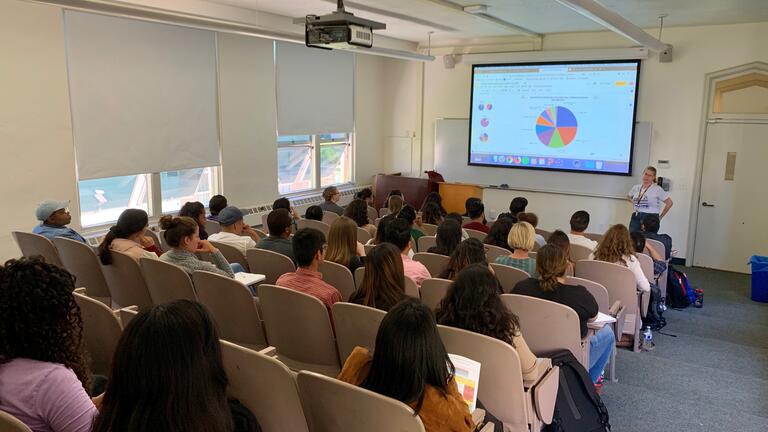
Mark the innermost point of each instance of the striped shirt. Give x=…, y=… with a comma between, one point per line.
x=311, y=282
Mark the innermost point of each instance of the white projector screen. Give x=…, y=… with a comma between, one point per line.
x=564, y=116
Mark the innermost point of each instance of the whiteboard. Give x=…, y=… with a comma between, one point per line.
x=451, y=161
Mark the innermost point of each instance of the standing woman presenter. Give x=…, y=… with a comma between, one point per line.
x=648, y=198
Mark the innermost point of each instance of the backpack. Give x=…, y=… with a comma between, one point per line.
x=653, y=317
x=677, y=289
x=578, y=407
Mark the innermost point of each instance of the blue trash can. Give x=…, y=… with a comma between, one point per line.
x=759, y=278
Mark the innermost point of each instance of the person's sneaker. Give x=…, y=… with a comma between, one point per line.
x=649, y=346
x=599, y=385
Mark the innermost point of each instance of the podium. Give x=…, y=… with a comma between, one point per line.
x=455, y=195
x=414, y=189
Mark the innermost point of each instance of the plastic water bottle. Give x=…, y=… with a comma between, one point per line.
x=648, y=339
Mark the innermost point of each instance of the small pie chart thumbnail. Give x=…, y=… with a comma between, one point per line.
x=556, y=127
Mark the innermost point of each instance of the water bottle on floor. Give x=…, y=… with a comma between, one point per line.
x=648, y=344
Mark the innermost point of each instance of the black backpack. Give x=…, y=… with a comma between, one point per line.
x=654, y=317
x=677, y=293
x=578, y=407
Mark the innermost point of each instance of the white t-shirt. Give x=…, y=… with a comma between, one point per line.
x=577, y=239
x=650, y=200
x=241, y=242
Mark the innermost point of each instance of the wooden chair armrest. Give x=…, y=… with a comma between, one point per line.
x=81, y=291
x=545, y=395
x=542, y=366
x=478, y=416
x=126, y=314
x=615, y=308
x=269, y=351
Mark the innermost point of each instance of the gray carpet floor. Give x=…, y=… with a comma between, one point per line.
x=713, y=376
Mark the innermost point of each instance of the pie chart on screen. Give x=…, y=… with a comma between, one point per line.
x=556, y=127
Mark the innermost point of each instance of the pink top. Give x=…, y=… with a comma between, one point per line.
x=415, y=270
x=311, y=282
x=47, y=397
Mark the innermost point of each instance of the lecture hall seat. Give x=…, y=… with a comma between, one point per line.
x=101, y=331
x=34, y=244
x=356, y=325
x=80, y=260
x=166, y=282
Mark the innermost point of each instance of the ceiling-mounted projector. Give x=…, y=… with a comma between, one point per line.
x=339, y=30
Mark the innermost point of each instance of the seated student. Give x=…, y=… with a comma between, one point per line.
x=383, y=285
x=232, y=226
x=473, y=303
x=447, y=239
x=54, y=218
x=216, y=204
x=470, y=251
x=409, y=213
x=476, y=212
x=640, y=246
x=395, y=204
x=550, y=285
x=518, y=205
x=398, y=232
x=43, y=370
x=127, y=236
x=579, y=224
x=331, y=195
x=532, y=219
x=497, y=236
x=182, y=235
x=343, y=247
x=650, y=226
x=196, y=211
x=616, y=247
x=168, y=375
x=435, y=199
x=357, y=210
x=284, y=203
x=560, y=239
x=431, y=213
x=366, y=195
x=279, y=224
x=309, y=248
x=521, y=239
x=314, y=213
x=457, y=217
x=409, y=363
x=381, y=229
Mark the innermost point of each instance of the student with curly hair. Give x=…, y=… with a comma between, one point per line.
x=43, y=371
x=470, y=251
x=431, y=213
x=331, y=195
x=384, y=282
x=473, y=303
x=182, y=235
x=357, y=210
x=616, y=247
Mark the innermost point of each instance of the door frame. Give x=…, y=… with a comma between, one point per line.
x=708, y=116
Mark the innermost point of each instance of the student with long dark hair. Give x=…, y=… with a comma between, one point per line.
x=357, y=210
x=314, y=212
x=196, y=211
x=474, y=303
x=431, y=213
x=561, y=240
x=127, y=236
x=182, y=235
x=434, y=198
x=470, y=251
x=44, y=373
x=499, y=233
x=384, y=282
x=381, y=229
x=410, y=364
x=167, y=374
x=447, y=239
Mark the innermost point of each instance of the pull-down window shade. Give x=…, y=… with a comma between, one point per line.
x=314, y=90
x=143, y=96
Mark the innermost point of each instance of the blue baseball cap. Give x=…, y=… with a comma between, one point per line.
x=230, y=215
x=46, y=208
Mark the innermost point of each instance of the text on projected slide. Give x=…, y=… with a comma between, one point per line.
x=564, y=116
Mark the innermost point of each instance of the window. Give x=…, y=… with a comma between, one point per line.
x=102, y=200
x=308, y=162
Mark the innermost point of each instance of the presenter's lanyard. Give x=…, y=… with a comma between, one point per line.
x=640, y=197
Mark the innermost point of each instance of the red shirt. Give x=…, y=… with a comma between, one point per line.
x=477, y=226
x=311, y=282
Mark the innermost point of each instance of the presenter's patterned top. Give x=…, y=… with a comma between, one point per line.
x=648, y=199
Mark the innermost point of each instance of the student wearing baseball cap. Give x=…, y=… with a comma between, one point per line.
x=232, y=228
x=54, y=218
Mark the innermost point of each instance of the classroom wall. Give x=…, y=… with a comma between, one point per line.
x=36, y=131
x=671, y=96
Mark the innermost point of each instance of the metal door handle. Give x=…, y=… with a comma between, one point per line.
x=705, y=204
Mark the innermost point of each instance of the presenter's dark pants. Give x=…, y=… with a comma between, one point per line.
x=636, y=220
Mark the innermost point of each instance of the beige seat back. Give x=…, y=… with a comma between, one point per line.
x=35, y=244
x=9, y=423
x=101, y=332
x=475, y=234
x=372, y=214
x=232, y=254
x=363, y=236
x=661, y=250
x=597, y=290
x=264, y=225
x=232, y=307
x=428, y=229
x=271, y=264
x=299, y=326
x=262, y=233
x=433, y=291
x=594, y=236
x=127, y=314
x=265, y=386
x=329, y=217
x=501, y=379
x=331, y=405
x=492, y=252
x=579, y=252
x=547, y=326
x=435, y=263
x=339, y=277
x=544, y=233
x=125, y=282
x=80, y=260
x=368, y=248
x=163, y=244
x=212, y=227
x=411, y=289
x=508, y=276
x=426, y=242
x=356, y=325
x=318, y=225
x=646, y=263
x=359, y=275
x=166, y=282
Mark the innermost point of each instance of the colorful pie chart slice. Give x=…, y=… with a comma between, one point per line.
x=556, y=127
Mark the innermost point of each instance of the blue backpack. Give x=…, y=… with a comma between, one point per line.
x=680, y=293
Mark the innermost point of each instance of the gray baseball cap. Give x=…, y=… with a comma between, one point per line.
x=230, y=215
x=46, y=208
